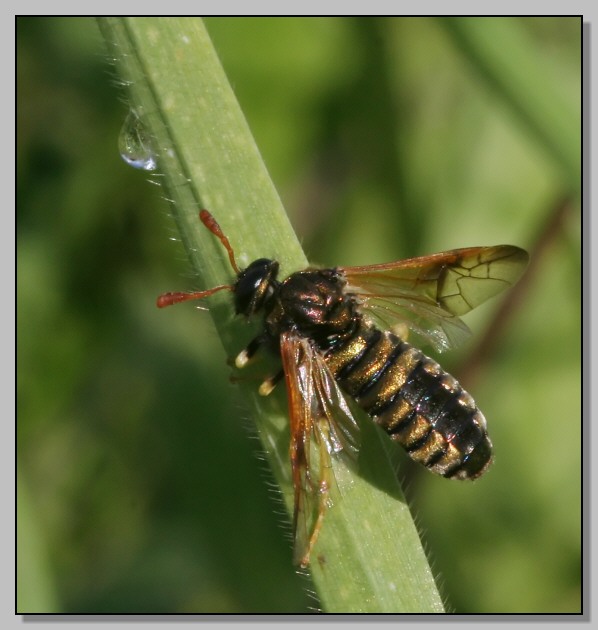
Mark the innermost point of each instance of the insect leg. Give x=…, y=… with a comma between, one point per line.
x=270, y=383
x=323, y=490
x=246, y=355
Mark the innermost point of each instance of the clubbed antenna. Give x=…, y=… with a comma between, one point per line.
x=168, y=299
x=210, y=222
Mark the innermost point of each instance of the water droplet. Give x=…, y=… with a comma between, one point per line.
x=135, y=145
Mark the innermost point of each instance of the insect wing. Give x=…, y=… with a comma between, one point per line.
x=317, y=410
x=429, y=293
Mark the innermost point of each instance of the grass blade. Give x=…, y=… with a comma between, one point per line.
x=504, y=56
x=369, y=557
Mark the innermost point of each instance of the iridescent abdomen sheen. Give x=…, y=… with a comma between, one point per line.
x=416, y=402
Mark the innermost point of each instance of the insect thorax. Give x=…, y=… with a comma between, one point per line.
x=314, y=304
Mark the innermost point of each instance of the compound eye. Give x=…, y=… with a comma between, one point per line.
x=252, y=285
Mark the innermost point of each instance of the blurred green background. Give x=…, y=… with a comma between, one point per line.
x=140, y=484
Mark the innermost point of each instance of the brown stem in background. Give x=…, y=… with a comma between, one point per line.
x=514, y=298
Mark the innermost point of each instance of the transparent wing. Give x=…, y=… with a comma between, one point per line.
x=429, y=293
x=318, y=410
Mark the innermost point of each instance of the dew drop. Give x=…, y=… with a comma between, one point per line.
x=134, y=144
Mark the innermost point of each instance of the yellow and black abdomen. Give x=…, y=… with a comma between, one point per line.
x=416, y=402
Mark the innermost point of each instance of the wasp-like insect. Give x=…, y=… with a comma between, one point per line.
x=331, y=329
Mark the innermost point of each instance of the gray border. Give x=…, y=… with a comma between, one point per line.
x=462, y=7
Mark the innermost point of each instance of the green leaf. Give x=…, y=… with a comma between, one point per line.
x=369, y=557
x=36, y=591
x=504, y=56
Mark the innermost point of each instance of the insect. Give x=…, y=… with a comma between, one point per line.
x=333, y=332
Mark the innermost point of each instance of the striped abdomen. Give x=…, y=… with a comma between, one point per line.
x=414, y=400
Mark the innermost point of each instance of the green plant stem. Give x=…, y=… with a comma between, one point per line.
x=503, y=55
x=369, y=556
